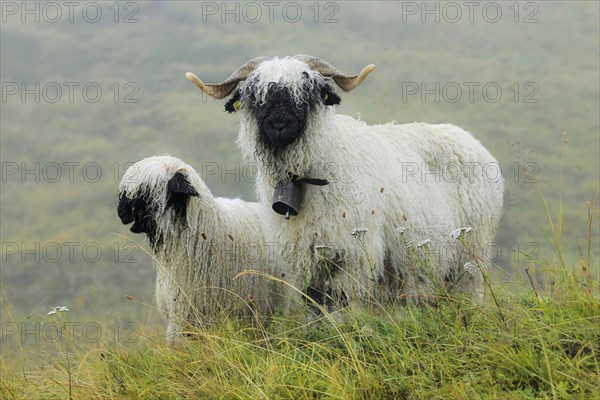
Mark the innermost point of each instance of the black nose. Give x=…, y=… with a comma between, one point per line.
x=279, y=125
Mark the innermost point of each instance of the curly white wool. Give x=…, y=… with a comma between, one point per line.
x=197, y=261
x=358, y=160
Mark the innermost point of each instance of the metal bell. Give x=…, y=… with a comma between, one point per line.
x=287, y=198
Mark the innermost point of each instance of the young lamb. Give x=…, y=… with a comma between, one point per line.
x=200, y=244
x=380, y=228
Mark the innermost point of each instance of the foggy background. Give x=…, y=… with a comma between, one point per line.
x=91, y=87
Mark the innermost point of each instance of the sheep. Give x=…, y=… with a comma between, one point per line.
x=200, y=243
x=379, y=202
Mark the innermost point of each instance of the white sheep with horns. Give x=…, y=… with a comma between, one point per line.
x=382, y=228
x=200, y=244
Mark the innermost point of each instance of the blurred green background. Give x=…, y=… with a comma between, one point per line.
x=62, y=157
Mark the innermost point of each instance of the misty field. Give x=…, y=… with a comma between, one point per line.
x=538, y=344
x=523, y=342
x=84, y=94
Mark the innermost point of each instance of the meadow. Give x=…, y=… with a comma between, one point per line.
x=528, y=343
x=63, y=154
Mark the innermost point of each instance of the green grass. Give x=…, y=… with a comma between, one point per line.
x=524, y=343
x=539, y=344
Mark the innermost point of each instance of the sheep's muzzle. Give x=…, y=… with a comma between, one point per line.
x=280, y=119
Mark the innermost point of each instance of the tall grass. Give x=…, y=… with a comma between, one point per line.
x=543, y=342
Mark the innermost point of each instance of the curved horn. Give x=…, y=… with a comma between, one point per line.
x=223, y=89
x=345, y=82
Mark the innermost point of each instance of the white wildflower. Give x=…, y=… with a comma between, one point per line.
x=400, y=230
x=458, y=231
x=471, y=267
x=58, y=310
x=359, y=232
x=423, y=242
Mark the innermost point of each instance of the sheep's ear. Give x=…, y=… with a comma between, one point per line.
x=233, y=104
x=179, y=190
x=179, y=184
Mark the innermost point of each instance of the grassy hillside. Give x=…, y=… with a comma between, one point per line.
x=62, y=243
x=538, y=344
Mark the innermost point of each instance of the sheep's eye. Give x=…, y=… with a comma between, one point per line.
x=329, y=98
x=237, y=105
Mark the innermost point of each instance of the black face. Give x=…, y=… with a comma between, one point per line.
x=138, y=211
x=143, y=214
x=281, y=119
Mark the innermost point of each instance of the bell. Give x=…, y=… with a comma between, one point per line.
x=287, y=198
